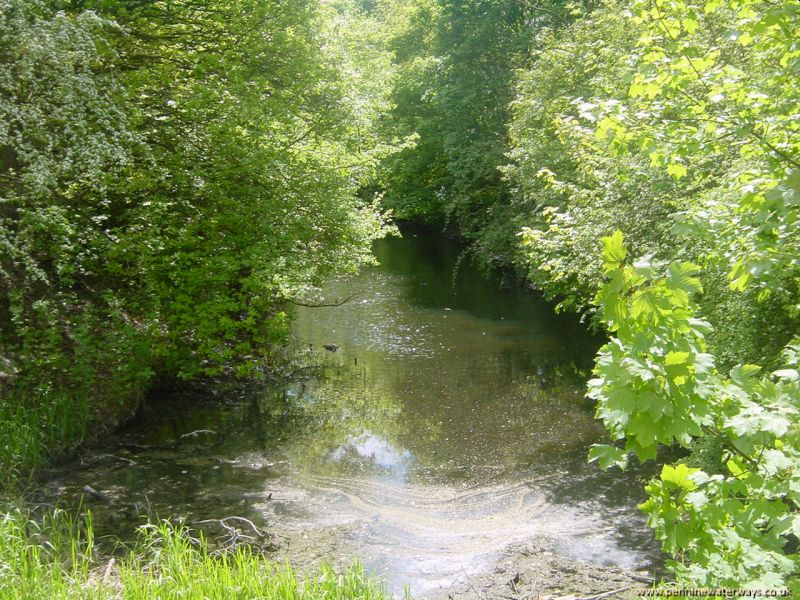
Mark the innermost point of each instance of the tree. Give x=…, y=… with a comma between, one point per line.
x=171, y=174
x=657, y=384
x=456, y=64
x=605, y=138
x=704, y=94
x=567, y=189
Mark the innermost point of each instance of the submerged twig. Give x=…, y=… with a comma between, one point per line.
x=94, y=493
x=262, y=539
x=118, y=458
x=290, y=376
x=606, y=594
x=197, y=432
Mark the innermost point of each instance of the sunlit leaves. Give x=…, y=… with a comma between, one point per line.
x=569, y=189
x=261, y=142
x=168, y=180
x=64, y=141
x=716, y=78
x=702, y=122
x=608, y=456
x=655, y=385
x=678, y=477
x=614, y=251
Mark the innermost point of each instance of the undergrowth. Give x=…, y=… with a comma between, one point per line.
x=33, y=429
x=54, y=557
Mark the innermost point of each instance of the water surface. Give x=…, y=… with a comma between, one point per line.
x=450, y=422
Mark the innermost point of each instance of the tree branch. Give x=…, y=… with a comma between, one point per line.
x=325, y=304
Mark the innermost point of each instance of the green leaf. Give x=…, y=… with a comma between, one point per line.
x=790, y=374
x=643, y=429
x=608, y=456
x=736, y=468
x=614, y=251
x=679, y=477
x=676, y=358
x=681, y=278
x=677, y=170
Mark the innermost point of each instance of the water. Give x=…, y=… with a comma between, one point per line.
x=450, y=423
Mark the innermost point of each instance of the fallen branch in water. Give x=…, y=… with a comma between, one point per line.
x=262, y=540
x=325, y=304
x=197, y=432
x=131, y=447
x=235, y=518
x=99, y=457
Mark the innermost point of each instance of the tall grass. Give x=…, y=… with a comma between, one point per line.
x=54, y=558
x=45, y=557
x=34, y=428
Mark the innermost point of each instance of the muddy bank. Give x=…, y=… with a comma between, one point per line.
x=535, y=570
x=527, y=570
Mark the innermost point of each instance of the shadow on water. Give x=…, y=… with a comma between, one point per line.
x=450, y=422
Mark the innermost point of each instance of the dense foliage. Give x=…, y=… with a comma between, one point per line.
x=678, y=124
x=171, y=173
x=711, y=84
x=727, y=524
x=683, y=134
x=632, y=151
x=455, y=80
